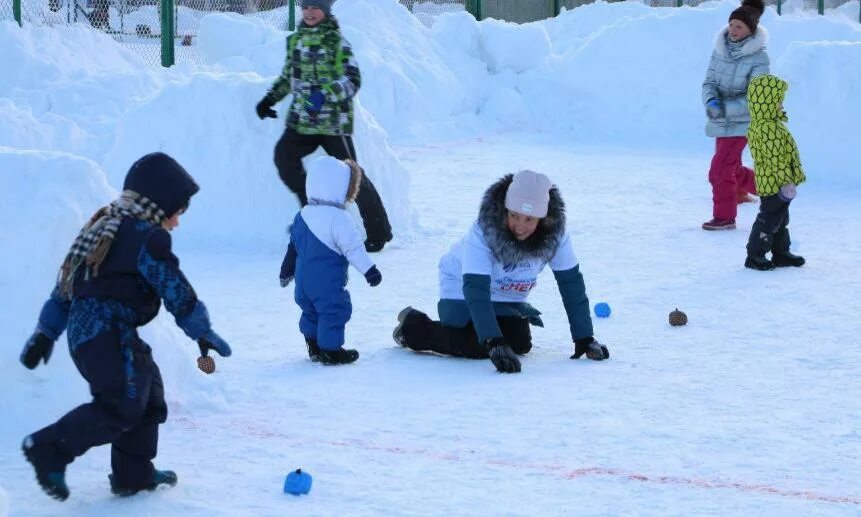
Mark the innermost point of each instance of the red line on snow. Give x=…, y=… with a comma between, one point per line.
x=559, y=470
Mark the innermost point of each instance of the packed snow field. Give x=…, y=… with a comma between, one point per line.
x=751, y=408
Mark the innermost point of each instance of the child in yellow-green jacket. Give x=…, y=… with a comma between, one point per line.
x=778, y=173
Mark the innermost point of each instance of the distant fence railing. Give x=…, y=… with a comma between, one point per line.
x=524, y=11
x=164, y=31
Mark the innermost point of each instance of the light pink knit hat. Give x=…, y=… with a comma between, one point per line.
x=529, y=194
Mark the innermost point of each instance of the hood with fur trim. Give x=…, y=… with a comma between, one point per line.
x=755, y=42
x=332, y=182
x=502, y=243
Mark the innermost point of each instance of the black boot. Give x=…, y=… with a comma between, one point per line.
x=398, y=334
x=160, y=477
x=50, y=470
x=313, y=349
x=339, y=356
x=758, y=244
x=781, y=256
x=758, y=263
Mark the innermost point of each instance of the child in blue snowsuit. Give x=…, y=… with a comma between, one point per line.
x=323, y=242
x=115, y=275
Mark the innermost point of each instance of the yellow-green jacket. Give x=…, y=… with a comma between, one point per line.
x=775, y=154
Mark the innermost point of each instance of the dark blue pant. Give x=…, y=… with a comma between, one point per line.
x=769, y=231
x=127, y=407
x=324, y=314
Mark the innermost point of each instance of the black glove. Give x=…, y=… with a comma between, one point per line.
x=373, y=276
x=212, y=341
x=593, y=349
x=264, y=108
x=39, y=346
x=503, y=356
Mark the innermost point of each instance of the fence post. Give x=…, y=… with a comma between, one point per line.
x=16, y=11
x=820, y=6
x=779, y=5
x=556, y=8
x=167, y=30
x=291, y=16
x=680, y=3
x=473, y=7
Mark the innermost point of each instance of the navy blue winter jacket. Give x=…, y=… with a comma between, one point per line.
x=139, y=271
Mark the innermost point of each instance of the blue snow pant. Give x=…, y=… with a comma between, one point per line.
x=127, y=407
x=324, y=316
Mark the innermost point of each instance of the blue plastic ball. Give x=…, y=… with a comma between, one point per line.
x=297, y=483
x=602, y=310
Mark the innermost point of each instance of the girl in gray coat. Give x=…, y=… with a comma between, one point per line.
x=739, y=56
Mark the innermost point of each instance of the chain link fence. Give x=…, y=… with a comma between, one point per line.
x=137, y=24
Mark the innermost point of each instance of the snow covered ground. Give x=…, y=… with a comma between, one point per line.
x=752, y=408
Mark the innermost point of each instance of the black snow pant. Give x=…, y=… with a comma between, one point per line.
x=128, y=406
x=423, y=334
x=294, y=146
x=769, y=231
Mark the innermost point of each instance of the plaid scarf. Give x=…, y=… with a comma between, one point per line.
x=93, y=242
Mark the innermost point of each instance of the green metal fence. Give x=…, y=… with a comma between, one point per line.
x=523, y=11
x=162, y=32
x=165, y=31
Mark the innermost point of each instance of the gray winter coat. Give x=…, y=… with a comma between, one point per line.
x=727, y=80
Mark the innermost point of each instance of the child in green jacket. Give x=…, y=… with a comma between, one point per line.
x=778, y=173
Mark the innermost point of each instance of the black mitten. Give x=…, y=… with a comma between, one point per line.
x=373, y=276
x=503, y=356
x=39, y=346
x=592, y=348
x=264, y=108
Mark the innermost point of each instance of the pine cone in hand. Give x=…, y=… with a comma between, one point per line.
x=678, y=318
x=206, y=364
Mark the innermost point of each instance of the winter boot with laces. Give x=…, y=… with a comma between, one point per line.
x=50, y=472
x=159, y=477
x=338, y=356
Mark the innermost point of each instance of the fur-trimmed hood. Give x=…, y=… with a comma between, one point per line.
x=755, y=42
x=332, y=182
x=502, y=243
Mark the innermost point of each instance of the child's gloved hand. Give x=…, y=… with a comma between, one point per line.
x=714, y=109
x=285, y=281
x=373, y=276
x=264, y=108
x=314, y=102
x=212, y=341
x=38, y=347
x=592, y=348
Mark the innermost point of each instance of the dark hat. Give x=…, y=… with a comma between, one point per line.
x=163, y=180
x=323, y=5
x=749, y=13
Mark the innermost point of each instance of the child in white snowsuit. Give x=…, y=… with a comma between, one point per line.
x=323, y=242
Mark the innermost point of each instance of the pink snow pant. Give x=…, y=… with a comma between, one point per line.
x=729, y=178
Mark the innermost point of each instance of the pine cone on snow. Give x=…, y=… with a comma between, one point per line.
x=678, y=318
x=206, y=364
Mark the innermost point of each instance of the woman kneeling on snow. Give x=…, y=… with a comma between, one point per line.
x=486, y=277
